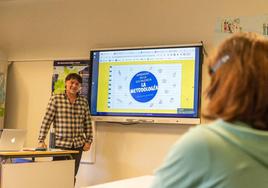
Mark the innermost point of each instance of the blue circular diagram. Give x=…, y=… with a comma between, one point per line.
x=143, y=86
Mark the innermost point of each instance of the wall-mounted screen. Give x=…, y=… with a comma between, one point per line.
x=149, y=84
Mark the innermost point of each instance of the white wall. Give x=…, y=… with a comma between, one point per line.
x=33, y=31
x=48, y=29
x=28, y=91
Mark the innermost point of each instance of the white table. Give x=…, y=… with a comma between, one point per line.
x=44, y=174
x=137, y=182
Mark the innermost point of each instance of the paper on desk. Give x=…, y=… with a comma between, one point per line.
x=28, y=149
x=55, y=149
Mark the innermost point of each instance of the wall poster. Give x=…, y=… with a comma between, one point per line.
x=63, y=68
x=225, y=26
x=2, y=94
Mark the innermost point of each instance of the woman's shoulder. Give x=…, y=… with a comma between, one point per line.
x=197, y=138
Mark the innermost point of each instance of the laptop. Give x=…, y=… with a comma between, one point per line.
x=12, y=139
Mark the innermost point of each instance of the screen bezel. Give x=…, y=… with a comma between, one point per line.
x=151, y=118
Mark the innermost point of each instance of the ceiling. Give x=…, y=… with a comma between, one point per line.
x=45, y=29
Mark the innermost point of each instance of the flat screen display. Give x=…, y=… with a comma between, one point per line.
x=149, y=82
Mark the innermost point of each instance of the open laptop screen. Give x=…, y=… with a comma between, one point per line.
x=12, y=139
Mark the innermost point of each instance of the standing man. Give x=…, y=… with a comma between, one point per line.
x=69, y=113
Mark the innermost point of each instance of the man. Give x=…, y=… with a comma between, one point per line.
x=69, y=113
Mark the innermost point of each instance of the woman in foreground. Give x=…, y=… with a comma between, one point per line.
x=232, y=151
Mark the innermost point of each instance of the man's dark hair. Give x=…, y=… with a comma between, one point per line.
x=74, y=76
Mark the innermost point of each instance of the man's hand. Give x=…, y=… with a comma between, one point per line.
x=86, y=146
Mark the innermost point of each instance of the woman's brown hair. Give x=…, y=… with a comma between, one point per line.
x=238, y=90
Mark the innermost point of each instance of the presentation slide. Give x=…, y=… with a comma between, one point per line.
x=145, y=87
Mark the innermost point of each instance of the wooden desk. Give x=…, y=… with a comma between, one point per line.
x=41, y=174
x=33, y=154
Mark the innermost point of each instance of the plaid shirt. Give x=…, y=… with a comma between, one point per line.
x=71, y=122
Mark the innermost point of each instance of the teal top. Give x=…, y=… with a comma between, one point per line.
x=218, y=155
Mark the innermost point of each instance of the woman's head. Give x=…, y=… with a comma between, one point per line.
x=239, y=80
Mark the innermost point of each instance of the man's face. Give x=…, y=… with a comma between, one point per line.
x=72, y=86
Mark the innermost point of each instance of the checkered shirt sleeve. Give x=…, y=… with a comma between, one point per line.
x=48, y=119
